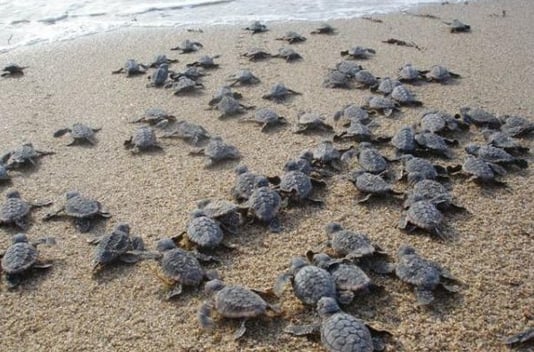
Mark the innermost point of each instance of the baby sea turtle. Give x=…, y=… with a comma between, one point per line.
x=359, y=132
x=502, y=140
x=256, y=54
x=495, y=155
x=424, y=215
x=479, y=117
x=482, y=171
x=456, y=26
x=350, y=68
x=185, y=85
x=245, y=183
x=224, y=91
x=418, y=169
x=387, y=85
x=188, y=46
x=308, y=121
x=267, y=118
x=435, y=144
x=292, y=37
x=217, y=150
x=289, y=54
x=433, y=192
x=382, y=105
x=256, y=27
x=229, y=106
x=422, y=273
x=297, y=185
x=409, y=74
x=202, y=231
x=358, y=52
x=243, y=77
x=303, y=163
x=22, y=155
x=157, y=117
x=22, y=256
x=370, y=159
x=517, y=126
x=188, y=131
x=142, y=139
x=84, y=211
x=192, y=72
x=403, y=96
x=404, y=140
x=162, y=59
x=365, y=79
x=371, y=185
x=326, y=155
x=234, y=302
x=13, y=70
x=324, y=28
x=279, y=92
x=352, y=112
x=15, y=211
x=350, y=244
x=264, y=205
x=339, y=331
x=436, y=121
x=160, y=77
x=79, y=133
x=224, y=212
x=441, y=74
x=132, y=68
x=336, y=79
x=205, y=61
x=180, y=268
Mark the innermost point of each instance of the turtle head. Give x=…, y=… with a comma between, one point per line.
x=405, y=250
x=291, y=165
x=241, y=169
x=165, y=244
x=306, y=155
x=197, y=213
x=321, y=260
x=19, y=238
x=365, y=145
x=472, y=148
x=332, y=227
x=123, y=227
x=327, y=306
x=72, y=194
x=297, y=263
x=13, y=194
x=213, y=286
x=261, y=181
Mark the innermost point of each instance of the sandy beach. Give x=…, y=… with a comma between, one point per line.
x=66, y=309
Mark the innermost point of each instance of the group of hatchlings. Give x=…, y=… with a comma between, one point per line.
x=319, y=279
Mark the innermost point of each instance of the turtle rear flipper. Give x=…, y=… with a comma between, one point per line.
x=204, y=316
x=275, y=226
x=120, y=70
x=13, y=280
x=523, y=338
x=61, y=132
x=241, y=331
x=281, y=282
x=83, y=224
x=175, y=291
x=303, y=330
x=22, y=223
x=424, y=297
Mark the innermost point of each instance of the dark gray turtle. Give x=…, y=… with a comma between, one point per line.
x=352, y=112
x=410, y=74
x=21, y=156
x=192, y=72
x=223, y=211
x=205, y=61
x=479, y=117
x=502, y=140
x=371, y=185
x=297, y=185
x=311, y=121
x=162, y=59
x=188, y=131
x=202, y=231
x=359, y=132
x=358, y=52
x=84, y=211
x=435, y=144
x=424, y=215
x=256, y=54
x=433, y=192
x=339, y=331
x=387, y=85
x=256, y=27
x=229, y=106
x=417, y=169
x=324, y=28
x=223, y=91
x=245, y=183
x=22, y=256
x=116, y=246
x=234, y=302
x=495, y=155
x=404, y=140
x=350, y=244
x=188, y=46
x=303, y=163
x=80, y=133
x=185, y=85
x=365, y=79
x=243, y=77
x=370, y=159
x=422, y=273
x=4, y=175
x=142, y=139
x=132, y=68
x=267, y=118
x=456, y=26
x=438, y=121
x=382, y=105
x=292, y=37
x=325, y=155
x=217, y=150
x=336, y=79
x=15, y=211
x=516, y=126
x=279, y=92
x=289, y=54
x=13, y=70
x=310, y=283
x=523, y=338
x=441, y=74
x=350, y=68
x=403, y=96
x=160, y=77
x=482, y=171
x=264, y=204
x=157, y=117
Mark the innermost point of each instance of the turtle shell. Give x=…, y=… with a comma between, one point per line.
x=265, y=203
x=431, y=191
x=424, y=215
x=144, y=138
x=345, y=242
x=343, y=332
x=80, y=131
x=218, y=150
x=297, y=183
x=419, y=168
x=81, y=207
x=404, y=140
x=310, y=283
x=371, y=183
x=18, y=258
x=481, y=169
x=182, y=266
x=350, y=277
x=204, y=231
x=112, y=246
x=417, y=271
x=372, y=161
x=239, y=302
x=14, y=209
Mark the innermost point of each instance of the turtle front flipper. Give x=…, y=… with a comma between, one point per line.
x=345, y=297
x=175, y=291
x=53, y=214
x=13, y=280
x=61, y=132
x=204, y=316
x=241, y=331
x=83, y=224
x=281, y=282
x=22, y=223
x=275, y=226
x=424, y=296
x=303, y=330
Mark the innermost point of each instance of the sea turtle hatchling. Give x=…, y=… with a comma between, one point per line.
x=289, y=54
x=516, y=126
x=292, y=37
x=217, y=150
x=365, y=79
x=160, y=77
x=223, y=91
x=142, y=139
x=326, y=155
x=502, y=140
x=256, y=54
x=297, y=185
x=84, y=211
x=423, y=274
x=404, y=140
x=256, y=27
x=245, y=183
x=192, y=72
x=370, y=159
x=479, y=117
x=495, y=155
x=243, y=77
x=226, y=213
x=409, y=74
x=480, y=170
x=188, y=46
x=13, y=70
x=339, y=331
x=22, y=256
x=386, y=85
x=15, y=210
x=279, y=92
x=234, y=302
x=162, y=59
x=205, y=61
x=264, y=204
x=432, y=191
x=157, y=117
x=436, y=121
x=185, y=85
x=441, y=74
x=404, y=96
x=336, y=79
x=352, y=112
x=267, y=118
x=358, y=52
x=417, y=169
x=423, y=215
x=382, y=105
x=22, y=156
x=371, y=185
x=131, y=68
x=229, y=106
x=456, y=26
x=324, y=28
x=435, y=144
x=188, y=131
x=202, y=232
x=80, y=133
x=359, y=132
x=350, y=68
x=311, y=121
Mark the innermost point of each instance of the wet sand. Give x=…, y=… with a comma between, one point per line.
x=123, y=310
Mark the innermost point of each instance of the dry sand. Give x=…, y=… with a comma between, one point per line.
x=67, y=310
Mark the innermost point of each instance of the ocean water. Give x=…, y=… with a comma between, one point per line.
x=26, y=22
